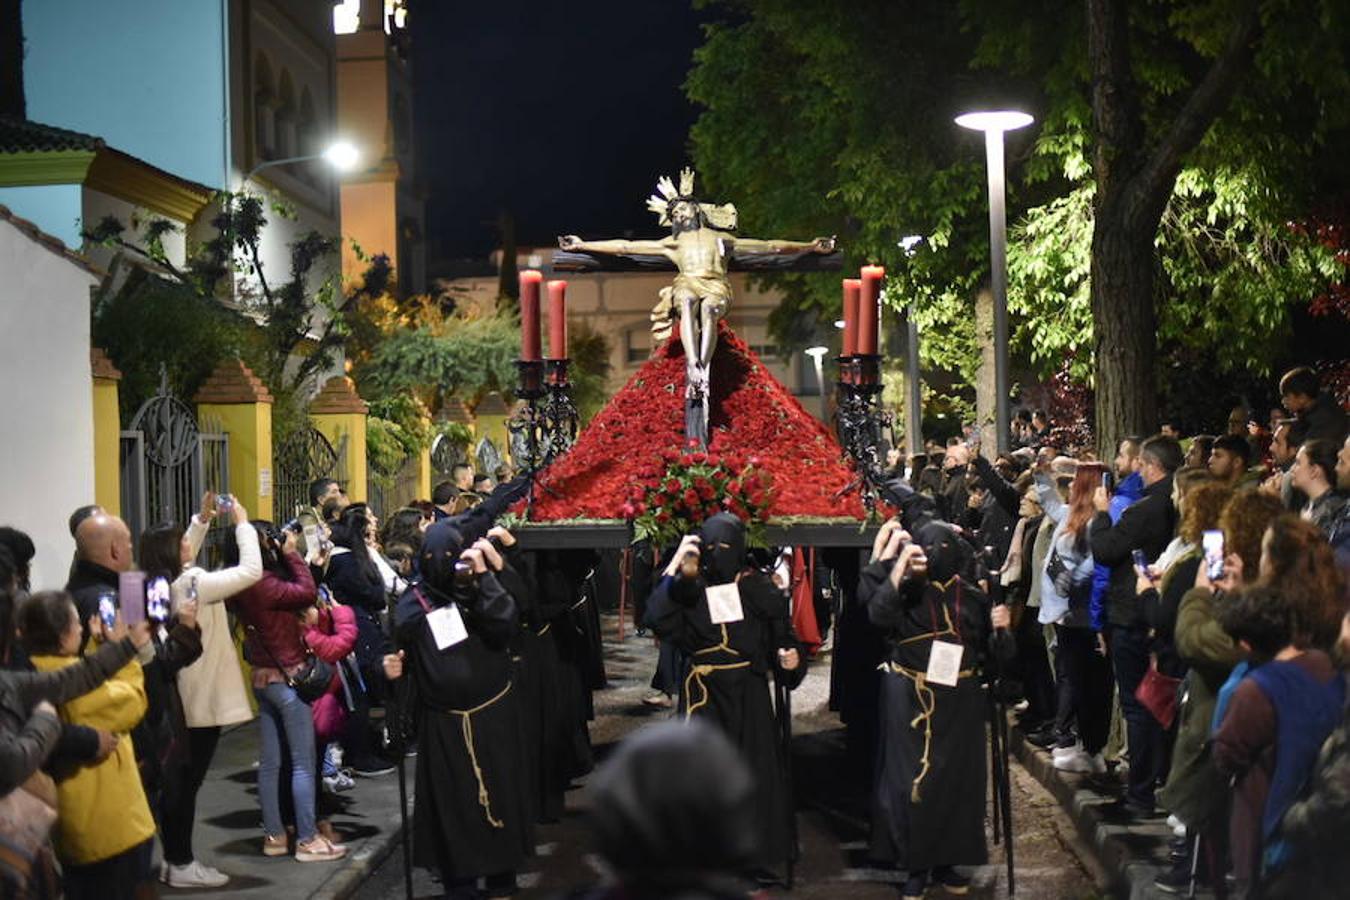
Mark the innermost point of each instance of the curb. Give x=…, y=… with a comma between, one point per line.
x=1132, y=855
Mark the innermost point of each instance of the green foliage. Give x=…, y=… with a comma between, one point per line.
x=836, y=117
x=589, y=369
x=471, y=358
x=388, y=446
x=408, y=413
x=152, y=322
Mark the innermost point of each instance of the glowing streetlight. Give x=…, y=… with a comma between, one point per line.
x=341, y=155
x=817, y=355
x=994, y=123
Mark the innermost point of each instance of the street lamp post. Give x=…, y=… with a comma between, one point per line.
x=994, y=124
x=914, y=404
x=817, y=355
x=341, y=155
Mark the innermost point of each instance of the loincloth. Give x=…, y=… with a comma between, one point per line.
x=714, y=288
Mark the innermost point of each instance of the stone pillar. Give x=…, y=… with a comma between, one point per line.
x=340, y=414
x=985, y=382
x=107, y=432
x=241, y=403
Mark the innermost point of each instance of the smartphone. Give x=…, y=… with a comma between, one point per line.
x=1212, y=545
x=1141, y=564
x=1108, y=482
x=107, y=609
x=157, y=600
x=131, y=596
x=224, y=503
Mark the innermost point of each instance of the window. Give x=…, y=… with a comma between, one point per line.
x=287, y=112
x=638, y=344
x=264, y=102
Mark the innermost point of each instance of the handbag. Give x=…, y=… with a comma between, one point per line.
x=1158, y=694
x=310, y=681
x=27, y=814
x=1061, y=576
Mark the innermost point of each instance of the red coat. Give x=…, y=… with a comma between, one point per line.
x=268, y=611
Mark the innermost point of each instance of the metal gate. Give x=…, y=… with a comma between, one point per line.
x=167, y=463
x=299, y=459
x=391, y=492
x=445, y=453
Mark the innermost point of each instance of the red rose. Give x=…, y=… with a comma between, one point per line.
x=640, y=507
x=629, y=511
x=669, y=456
x=735, y=508
x=698, y=458
x=752, y=482
x=672, y=486
x=757, y=499
x=691, y=498
x=733, y=487
x=692, y=443
x=706, y=492
x=662, y=517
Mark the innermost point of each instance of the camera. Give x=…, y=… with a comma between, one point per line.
x=225, y=503
x=463, y=574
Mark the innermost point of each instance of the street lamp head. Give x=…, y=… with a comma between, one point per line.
x=817, y=353
x=342, y=155
x=994, y=120
x=838, y=323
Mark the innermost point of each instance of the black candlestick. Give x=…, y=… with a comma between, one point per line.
x=860, y=421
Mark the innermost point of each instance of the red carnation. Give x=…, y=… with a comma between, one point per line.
x=698, y=458
x=669, y=456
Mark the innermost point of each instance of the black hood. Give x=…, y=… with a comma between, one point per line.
x=441, y=548
x=723, y=553
x=948, y=553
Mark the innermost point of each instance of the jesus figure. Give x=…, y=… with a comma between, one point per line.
x=701, y=242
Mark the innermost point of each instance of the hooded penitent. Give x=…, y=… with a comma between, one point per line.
x=723, y=554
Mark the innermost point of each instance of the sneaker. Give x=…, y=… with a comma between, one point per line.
x=318, y=849
x=329, y=833
x=339, y=782
x=659, y=699
x=373, y=768
x=1074, y=761
x=193, y=875
x=952, y=881
x=914, y=887
x=275, y=845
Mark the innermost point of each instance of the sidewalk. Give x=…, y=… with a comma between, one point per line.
x=1132, y=853
x=229, y=830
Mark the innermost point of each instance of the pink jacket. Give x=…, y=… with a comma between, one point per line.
x=331, y=640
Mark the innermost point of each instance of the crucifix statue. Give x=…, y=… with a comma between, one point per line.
x=703, y=248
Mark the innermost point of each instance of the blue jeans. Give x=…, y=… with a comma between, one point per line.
x=286, y=724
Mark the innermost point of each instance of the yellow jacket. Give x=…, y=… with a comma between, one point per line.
x=102, y=810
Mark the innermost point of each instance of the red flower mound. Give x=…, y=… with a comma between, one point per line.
x=632, y=440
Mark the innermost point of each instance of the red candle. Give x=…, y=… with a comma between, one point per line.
x=557, y=320
x=869, y=308
x=530, y=280
x=851, y=288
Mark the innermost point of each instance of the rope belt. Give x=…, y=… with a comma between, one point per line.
x=696, y=673
x=543, y=631
x=927, y=706
x=466, y=728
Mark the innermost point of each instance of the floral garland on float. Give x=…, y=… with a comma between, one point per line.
x=698, y=485
x=626, y=456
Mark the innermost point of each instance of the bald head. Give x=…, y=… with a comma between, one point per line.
x=105, y=541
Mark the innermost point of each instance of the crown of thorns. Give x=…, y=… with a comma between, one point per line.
x=721, y=216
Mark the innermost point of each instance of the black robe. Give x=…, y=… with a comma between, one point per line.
x=922, y=818
x=468, y=723
x=725, y=682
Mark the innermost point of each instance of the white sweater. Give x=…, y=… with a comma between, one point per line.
x=212, y=688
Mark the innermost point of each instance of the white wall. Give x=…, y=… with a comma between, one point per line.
x=98, y=205
x=47, y=404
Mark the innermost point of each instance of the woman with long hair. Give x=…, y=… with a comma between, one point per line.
x=1083, y=682
x=355, y=581
x=274, y=647
x=211, y=689
x=1295, y=556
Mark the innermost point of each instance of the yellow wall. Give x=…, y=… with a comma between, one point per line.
x=107, y=446
x=351, y=428
x=370, y=218
x=249, y=426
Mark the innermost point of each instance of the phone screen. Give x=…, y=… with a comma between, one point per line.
x=131, y=596
x=1212, y=544
x=1108, y=482
x=1141, y=563
x=107, y=609
x=157, y=600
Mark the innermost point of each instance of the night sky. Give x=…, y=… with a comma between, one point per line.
x=562, y=113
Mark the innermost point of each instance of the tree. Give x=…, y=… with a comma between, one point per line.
x=1152, y=204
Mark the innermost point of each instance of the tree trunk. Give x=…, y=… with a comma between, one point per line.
x=986, y=392
x=1124, y=322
